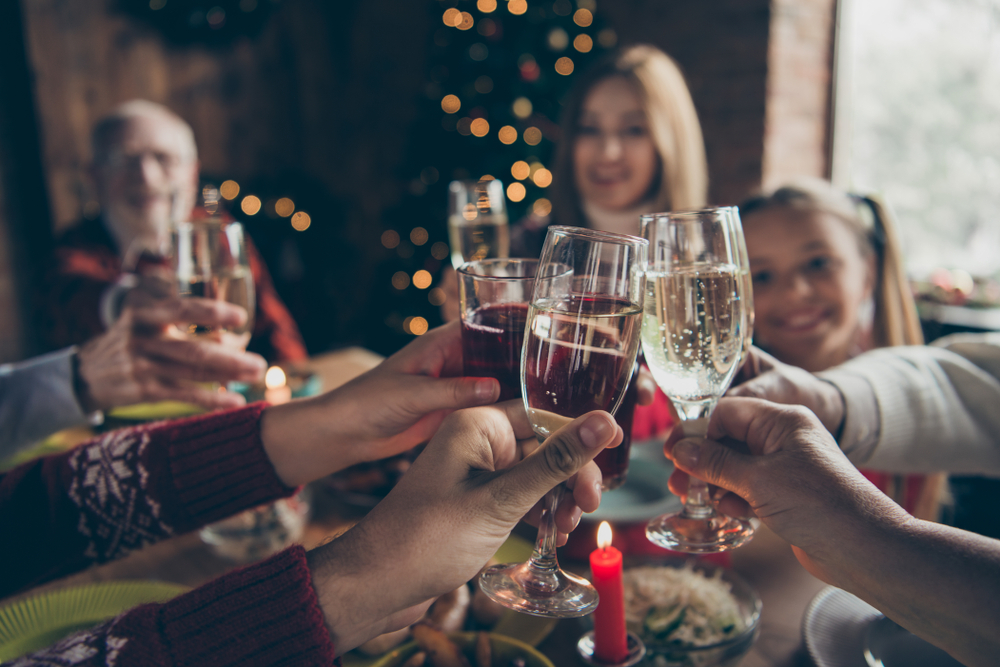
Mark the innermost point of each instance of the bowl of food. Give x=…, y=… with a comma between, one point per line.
x=478, y=649
x=691, y=614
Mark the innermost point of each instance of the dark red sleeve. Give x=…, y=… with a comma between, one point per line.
x=128, y=489
x=70, y=295
x=259, y=616
x=276, y=336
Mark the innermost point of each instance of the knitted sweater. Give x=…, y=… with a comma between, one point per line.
x=130, y=488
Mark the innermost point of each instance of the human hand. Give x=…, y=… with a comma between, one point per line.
x=765, y=377
x=449, y=514
x=386, y=411
x=785, y=468
x=138, y=360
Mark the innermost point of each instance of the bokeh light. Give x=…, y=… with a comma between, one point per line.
x=522, y=107
x=284, y=207
x=390, y=238
x=583, y=43
x=401, y=280
x=452, y=17
x=542, y=178
x=480, y=127
x=564, y=66
x=485, y=178
x=542, y=207
x=437, y=297
x=532, y=136
x=520, y=170
x=464, y=126
x=516, y=192
x=583, y=18
x=450, y=104
x=486, y=27
x=607, y=38
x=507, y=134
x=229, y=190
x=469, y=212
x=419, y=236
x=422, y=279
x=479, y=52
x=558, y=39
x=484, y=85
x=418, y=326
x=486, y=6
x=466, y=21
x=517, y=7
x=301, y=221
x=440, y=250
x=250, y=205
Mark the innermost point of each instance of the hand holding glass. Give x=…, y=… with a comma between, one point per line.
x=693, y=333
x=580, y=347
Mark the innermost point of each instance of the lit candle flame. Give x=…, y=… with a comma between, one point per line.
x=274, y=378
x=604, y=535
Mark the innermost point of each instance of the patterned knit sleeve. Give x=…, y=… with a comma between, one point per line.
x=128, y=489
x=262, y=615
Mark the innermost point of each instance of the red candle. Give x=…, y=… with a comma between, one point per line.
x=610, y=640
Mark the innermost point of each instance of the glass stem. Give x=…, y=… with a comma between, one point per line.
x=694, y=418
x=543, y=558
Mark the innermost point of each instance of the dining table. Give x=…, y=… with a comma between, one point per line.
x=766, y=562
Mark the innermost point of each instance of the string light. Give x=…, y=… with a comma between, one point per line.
x=301, y=221
x=284, y=207
x=450, y=104
x=486, y=6
x=480, y=127
x=583, y=18
x=452, y=17
x=507, y=134
x=542, y=207
x=522, y=107
x=583, y=43
x=564, y=66
x=517, y=7
x=520, y=170
x=516, y=192
x=422, y=279
x=466, y=21
x=440, y=250
x=542, y=178
x=250, y=205
x=400, y=280
x=484, y=201
x=419, y=236
x=418, y=326
x=558, y=39
x=229, y=190
x=390, y=238
x=532, y=136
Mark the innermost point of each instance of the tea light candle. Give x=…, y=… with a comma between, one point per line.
x=610, y=638
x=277, y=391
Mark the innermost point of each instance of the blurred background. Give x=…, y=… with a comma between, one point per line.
x=333, y=128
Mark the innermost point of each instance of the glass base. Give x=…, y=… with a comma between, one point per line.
x=708, y=535
x=539, y=592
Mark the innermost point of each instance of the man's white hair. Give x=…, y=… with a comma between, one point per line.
x=107, y=130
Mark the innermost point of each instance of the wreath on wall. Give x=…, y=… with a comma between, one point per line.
x=201, y=22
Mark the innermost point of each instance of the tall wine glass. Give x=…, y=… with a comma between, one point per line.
x=693, y=333
x=477, y=221
x=580, y=345
x=735, y=229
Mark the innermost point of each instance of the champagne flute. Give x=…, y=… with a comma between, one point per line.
x=735, y=229
x=580, y=346
x=693, y=334
x=477, y=221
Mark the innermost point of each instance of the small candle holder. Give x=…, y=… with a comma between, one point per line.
x=636, y=651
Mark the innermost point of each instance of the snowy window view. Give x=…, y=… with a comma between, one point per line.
x=924, y=99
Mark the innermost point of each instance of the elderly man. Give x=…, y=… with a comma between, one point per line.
x=146, y=173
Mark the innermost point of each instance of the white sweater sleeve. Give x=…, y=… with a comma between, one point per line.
x=938, y=407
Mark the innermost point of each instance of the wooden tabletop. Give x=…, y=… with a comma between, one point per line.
x=767, y=563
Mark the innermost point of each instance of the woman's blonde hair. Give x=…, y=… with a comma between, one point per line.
x=895, y=319
x=673, y=124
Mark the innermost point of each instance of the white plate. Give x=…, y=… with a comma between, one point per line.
x=839, y=628
x=644, y=493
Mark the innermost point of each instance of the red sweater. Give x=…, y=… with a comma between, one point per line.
x=86, y=262
x=130, y=488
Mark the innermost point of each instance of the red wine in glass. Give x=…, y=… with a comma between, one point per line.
x=492, y=337
x=614, y=462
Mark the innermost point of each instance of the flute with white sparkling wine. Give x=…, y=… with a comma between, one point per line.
x=233, y=286
x=486, y=236
x=691, y=331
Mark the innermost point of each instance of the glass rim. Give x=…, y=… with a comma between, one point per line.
x=690, y=212
x=465, y=269
x=457, y=183
x=214, y=221
x=597, y=235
